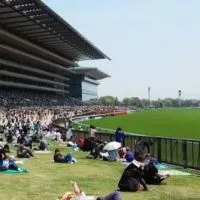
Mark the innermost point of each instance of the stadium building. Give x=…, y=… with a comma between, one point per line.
x=39, y=52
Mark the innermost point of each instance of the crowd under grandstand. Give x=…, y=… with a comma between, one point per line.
x=39, y=55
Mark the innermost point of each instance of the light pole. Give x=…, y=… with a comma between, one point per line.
x=179, y=97
x=149, y=96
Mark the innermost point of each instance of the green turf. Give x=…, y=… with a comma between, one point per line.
x=181, y=123
x=47, y=180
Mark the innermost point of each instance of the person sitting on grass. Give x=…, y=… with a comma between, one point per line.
x=3, y=157
x=95, y=152
x=152, y=176
x=6, y=162
x=24, y=152
x=42, y=146
x=132, y=178
x=59, y=158
x=6, y=148
x=78, y=194
x=125, y=154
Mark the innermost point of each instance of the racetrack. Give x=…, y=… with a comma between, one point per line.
x=179, y=123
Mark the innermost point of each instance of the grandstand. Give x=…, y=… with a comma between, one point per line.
x=38, y=55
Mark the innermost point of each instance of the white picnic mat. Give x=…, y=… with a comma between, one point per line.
x=174, y=172
x=40, y=152
x=19, y=162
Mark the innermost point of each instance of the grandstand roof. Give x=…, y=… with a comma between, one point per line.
x=36, y=22
x=94, y=73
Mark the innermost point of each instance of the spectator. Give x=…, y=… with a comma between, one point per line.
x=132, y=178
x=152, y=176
x=79, y=194
x=24, y=152
x=119, y=135
x=92, y=131
x=59, y=158
x=69, y=135
x=129, y=156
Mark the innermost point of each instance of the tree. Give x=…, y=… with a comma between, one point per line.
x=175, y=102
x=167, y=102
x=145, y=103
x=107, y=100
x=117, y=102
x=156, y=103
x=126, y=101
x=136, y=102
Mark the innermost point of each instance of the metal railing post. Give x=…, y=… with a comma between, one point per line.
x=171, y=152
x=198, y=162
x=159, y=149
x=184, y=150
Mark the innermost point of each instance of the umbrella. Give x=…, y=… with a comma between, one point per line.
x=112, y=146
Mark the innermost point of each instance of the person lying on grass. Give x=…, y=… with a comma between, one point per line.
x=78, y=194
x=59, y=158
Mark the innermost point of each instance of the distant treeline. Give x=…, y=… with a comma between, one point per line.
x=144, y=103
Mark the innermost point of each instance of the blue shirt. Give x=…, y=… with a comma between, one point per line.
x=119, y=136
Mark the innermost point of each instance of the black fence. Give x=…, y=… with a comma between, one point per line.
x=180, y=152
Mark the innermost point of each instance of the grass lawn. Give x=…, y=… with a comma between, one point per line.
x=181, y=122
x=47, y=180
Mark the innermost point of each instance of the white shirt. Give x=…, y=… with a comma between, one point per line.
x=69, y=133
x=83, y=196
x=58, y=135
x=93, y=132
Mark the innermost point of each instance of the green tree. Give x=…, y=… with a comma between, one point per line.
x=145, y=103
x=126, y=101
x=117, y=102
x=167, y=102
x=107, y=100
x=136, y=102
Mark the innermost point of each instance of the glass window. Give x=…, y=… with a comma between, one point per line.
x=89, y=91
x=87, y=97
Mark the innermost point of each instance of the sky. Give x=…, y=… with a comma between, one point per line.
x=152, y=43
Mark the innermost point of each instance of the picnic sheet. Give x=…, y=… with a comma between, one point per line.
x=166, y=169
x=9, y=171
x=42, y=152
x=19, y=162
x=174, y=172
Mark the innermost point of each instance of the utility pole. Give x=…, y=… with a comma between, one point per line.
x=149, y=96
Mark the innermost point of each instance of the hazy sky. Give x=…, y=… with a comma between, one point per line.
x=151, y=43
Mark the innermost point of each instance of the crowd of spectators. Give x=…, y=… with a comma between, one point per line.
x=15, y=98
x=26, y=118
x=18, y=106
